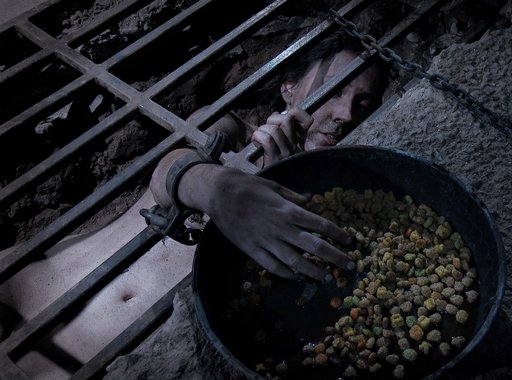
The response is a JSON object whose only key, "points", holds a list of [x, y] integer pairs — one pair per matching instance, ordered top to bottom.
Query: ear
{"points": [[287, 89]]}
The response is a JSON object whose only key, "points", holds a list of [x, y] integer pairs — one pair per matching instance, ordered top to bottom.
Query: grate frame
{"points": [[143, 103]]}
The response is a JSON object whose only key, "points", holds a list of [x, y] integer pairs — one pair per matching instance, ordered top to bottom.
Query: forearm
{"points": [[197, 182], [202, 185], [197, 187], [259, 216]]}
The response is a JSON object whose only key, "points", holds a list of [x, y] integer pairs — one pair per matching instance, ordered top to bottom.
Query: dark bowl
{"points": [[218, 264]]}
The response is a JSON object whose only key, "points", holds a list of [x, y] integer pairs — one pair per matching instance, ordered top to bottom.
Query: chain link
{"points": [[438, 81]]}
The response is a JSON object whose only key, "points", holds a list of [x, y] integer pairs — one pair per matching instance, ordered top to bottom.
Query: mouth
{"points": [[328, 139]]}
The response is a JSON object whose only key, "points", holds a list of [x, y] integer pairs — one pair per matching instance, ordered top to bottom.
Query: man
{"points": [[275, 229]]}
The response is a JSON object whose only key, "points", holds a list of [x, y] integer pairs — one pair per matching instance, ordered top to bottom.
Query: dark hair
{"points": [[326, 49], [323, 50]]}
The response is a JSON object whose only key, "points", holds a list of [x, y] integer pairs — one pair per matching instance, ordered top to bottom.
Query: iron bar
{"points": [[27, 15], [111, 15], [156, 33], [216, 49], [76, 60], [361, 62], [24, 64], [84, 65], [112, 83], [117, 87], [391, 101], [221, 106], [39, 107], [162, 116], [181, 131], [57, 160], [10, 370]]}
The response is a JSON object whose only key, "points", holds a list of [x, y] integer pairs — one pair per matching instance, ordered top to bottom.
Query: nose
{"points": [[341, 110]]}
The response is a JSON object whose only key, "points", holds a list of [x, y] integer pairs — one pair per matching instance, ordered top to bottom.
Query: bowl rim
{"points": [[480, 331]]}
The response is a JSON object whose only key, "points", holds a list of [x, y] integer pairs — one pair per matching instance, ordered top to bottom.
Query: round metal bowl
{"points": [[218, 264]]}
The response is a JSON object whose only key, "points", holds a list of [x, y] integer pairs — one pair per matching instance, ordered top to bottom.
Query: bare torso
{"points": [[116, 306]]}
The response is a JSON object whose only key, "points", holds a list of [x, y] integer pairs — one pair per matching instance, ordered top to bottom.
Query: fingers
{"points": [[295, 123], [283, 134], [274, 141], [292, 196], [307, 222], [316, 223], [299, 238], [321, 248], [286, 259], [294, 260], [287, 262], [271, 264]]}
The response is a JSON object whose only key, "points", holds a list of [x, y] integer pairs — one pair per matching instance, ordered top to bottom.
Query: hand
{"points": [[281, 136], [266, 221]]}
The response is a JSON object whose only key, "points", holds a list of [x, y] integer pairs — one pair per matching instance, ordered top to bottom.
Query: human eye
{"points": [[364, 106]]}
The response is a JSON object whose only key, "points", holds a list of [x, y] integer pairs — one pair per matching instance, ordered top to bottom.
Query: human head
{"points": [[339, 115]]}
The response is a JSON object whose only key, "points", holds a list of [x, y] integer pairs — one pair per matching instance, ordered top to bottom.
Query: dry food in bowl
{"points": [[269, 330]]}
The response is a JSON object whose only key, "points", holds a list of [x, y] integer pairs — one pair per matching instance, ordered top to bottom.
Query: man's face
{"points": [[346, 109]]}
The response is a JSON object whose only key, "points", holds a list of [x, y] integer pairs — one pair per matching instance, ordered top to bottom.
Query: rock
{"points": [[506, 10], [127, 142]]}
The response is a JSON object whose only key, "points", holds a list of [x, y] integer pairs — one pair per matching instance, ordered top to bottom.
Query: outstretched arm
{"points": [[260, 217]]}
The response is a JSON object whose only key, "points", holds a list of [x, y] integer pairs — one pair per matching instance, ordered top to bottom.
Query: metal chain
{"points": [[438, 81]]}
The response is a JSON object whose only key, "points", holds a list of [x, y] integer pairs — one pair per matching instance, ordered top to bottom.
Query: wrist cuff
{"points": [[170, 221]]}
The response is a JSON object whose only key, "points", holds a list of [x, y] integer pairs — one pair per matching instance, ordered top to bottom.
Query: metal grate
{"points": [[47, 68]]}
